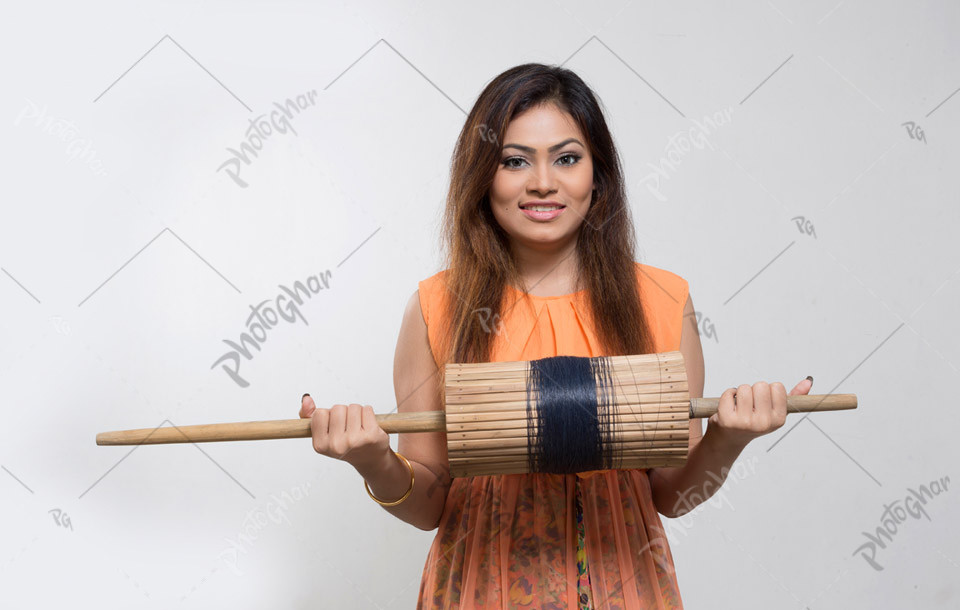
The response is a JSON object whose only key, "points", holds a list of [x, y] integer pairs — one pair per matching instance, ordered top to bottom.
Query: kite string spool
{"points": [[642, 407], [569, 414]]}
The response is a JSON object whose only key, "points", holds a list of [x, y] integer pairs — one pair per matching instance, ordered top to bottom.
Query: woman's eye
{"points": [[571, 156], [508, 162]]}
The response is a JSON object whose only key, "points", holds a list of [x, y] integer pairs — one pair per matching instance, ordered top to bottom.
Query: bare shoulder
{"points": [[413, 314], [692, 352], [414, 367], [417, 386]]}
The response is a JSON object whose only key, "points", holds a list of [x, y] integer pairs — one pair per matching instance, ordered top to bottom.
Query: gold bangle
{"points": [[404, 496]]}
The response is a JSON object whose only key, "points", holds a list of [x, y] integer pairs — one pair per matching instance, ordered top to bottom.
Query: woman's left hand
{"points": [[747, 412]]}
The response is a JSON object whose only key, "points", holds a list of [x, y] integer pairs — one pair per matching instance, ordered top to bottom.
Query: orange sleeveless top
{"points": [[510, 541]]}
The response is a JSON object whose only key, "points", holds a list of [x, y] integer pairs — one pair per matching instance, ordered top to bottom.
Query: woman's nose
{"points": [[542, 180]]}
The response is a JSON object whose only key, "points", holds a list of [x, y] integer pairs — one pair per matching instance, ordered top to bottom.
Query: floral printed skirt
{"points": [[550, 542], [583, 575]]}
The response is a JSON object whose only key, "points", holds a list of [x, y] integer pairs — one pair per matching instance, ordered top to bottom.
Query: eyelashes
{"points": [[574, 157]]}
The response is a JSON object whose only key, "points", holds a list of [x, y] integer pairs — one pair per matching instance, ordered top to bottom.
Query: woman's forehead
{"points": [[542, 126]]}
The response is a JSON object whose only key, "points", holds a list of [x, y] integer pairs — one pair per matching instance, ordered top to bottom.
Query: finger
{"points": [[803, 387], [779, 396], [744, 402], [762, 402], [762, 405], [307, 406], [726, 409], [354, 413], [338, 418], [368, 419], [319, 425]]}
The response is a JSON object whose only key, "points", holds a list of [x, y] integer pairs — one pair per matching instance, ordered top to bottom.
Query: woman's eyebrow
{"points": [[551, 149]]}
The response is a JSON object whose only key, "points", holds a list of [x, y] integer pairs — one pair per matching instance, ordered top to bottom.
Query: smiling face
{"points": [[544, 159]]}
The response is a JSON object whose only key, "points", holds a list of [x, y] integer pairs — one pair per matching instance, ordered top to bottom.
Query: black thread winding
{"points": [[574, 422]]}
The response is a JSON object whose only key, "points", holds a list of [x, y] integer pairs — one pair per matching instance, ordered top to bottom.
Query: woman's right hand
{"points": [[347, 432]]}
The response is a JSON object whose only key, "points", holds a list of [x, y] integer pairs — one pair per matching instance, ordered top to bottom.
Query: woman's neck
{"points": [[548, 271]]}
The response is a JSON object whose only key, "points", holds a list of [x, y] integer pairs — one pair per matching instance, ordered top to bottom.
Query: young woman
{"points": [[540, 263]]}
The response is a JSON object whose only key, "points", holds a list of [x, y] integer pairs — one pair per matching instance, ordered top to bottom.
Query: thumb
{"points": [[803, 387], [307, 406]]}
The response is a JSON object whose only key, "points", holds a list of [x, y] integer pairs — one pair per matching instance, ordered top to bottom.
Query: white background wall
{"points": [[127, 259]]}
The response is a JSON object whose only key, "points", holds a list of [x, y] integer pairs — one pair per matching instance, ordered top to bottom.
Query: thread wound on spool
{"points": [[574, 426]]}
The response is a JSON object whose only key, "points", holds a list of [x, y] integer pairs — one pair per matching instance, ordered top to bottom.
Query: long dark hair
{"points": [[478, 256]]}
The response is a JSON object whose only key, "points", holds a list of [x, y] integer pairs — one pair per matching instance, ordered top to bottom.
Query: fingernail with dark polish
{"points": [[810, 377], [304, 396]]}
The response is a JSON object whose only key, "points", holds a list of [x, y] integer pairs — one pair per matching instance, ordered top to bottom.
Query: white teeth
{"points": [[543, 208]]}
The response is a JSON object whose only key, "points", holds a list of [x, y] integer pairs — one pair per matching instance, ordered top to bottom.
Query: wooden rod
{"points": [[801, 403], [419, 421]]}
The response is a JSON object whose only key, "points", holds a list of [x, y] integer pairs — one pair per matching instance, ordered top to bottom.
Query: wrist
{"points": [[723, 440], [371, 466]]}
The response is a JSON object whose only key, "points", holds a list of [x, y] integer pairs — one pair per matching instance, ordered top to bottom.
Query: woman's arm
{"points": [[417, 388], [350, 432], [668, 484], [677, 491]]}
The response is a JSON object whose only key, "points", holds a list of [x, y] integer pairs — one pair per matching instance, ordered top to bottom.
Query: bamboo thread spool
{"points": [[489, 420]]}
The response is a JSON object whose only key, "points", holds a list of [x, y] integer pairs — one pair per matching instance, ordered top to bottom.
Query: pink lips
{"points": [[542, 215]]}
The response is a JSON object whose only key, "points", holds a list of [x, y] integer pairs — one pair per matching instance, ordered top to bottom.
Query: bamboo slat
{"points": [[488, 421]]}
